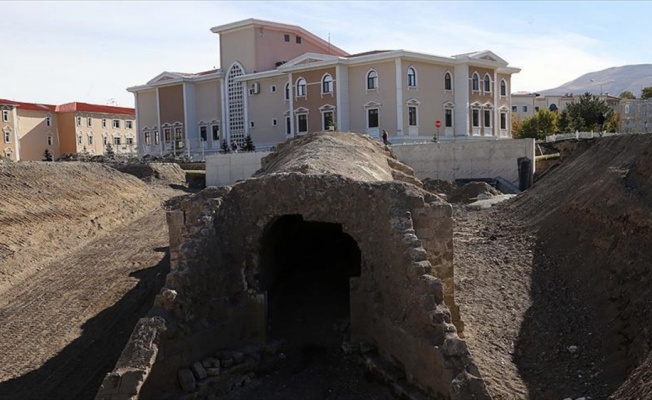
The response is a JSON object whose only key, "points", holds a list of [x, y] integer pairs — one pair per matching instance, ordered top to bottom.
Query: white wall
{"points": [[466, 159], [446, 161], [226, 169]]}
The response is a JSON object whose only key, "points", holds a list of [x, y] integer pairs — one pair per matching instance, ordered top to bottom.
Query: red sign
{"points": [[438, 124]]}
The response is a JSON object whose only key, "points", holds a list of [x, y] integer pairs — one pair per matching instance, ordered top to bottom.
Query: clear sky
{"points": [[56, 52]]}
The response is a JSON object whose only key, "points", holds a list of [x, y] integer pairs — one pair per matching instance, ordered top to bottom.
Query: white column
{"points": [[399, 97], [342, 98], [291, 103], [461, 110], [496, 124], [16, 126], [161, 137]]}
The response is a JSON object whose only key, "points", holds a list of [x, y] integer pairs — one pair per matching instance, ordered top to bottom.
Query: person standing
{"points": [[600, 124], [385, 137]]}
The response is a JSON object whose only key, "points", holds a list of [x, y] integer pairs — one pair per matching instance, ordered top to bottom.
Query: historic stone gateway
{"points": [[332, 231]]}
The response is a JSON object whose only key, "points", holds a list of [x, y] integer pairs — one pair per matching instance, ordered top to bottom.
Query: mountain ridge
{"points": [[612, 81]]}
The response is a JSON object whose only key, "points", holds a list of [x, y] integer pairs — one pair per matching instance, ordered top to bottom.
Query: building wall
{"points": [[238, 46], [271, 47], [385, 96], [314, 98], [171, 104], [264, 108], [209, 111], [147, 115], [67, 132], [33, 134], [8, 140]]}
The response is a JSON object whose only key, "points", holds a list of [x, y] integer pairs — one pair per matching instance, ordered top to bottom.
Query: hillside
{"points": [[614, 81]]}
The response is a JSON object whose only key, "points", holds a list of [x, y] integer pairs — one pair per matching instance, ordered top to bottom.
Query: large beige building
{"points": [[278, 81], [526, 104], [29, 129]]}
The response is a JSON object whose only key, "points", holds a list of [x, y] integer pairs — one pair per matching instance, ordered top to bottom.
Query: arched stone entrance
{"points": [[305, 272]]}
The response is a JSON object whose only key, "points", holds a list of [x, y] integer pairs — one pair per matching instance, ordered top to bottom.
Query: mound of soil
{"points": [[161, 173], [460, 193]]}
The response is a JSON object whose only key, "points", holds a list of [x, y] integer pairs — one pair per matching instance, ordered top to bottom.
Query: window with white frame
{"points": [[286, 37], [411, 77], [372, 80], [448, 81], [475, 82], [327, 84], [487, 84], [301, 87], [503, 88], [272, 89], [287, 91], [514, 108], [524, 108], [5, 115], [412, 116], [372, 118], [448, 118], [475, 118], [487, 118], [328, 120], [48, 121], [79, 121], [89, 121], [503, 121], [103, 122], [274, 122], [302, 123], [116, 124], [129, 124], [288, 126], [215, 130], [178, 133], [203, 133], [167, 135], [7, 136], [157, 137], [148, 138], [79, 139], [90, 139], [105, 139], [117, 140], [130, 140], [50, 141], [8, 153]]}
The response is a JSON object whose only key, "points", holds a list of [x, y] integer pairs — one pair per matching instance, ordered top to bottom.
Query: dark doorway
{"points": [[306, 270]]}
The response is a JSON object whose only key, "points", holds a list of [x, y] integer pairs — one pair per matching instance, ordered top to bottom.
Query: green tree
{"points": [[646, 92], [627, 95], [583, 115], [564, 122], [613, 124], [517, 125], [538, 126], [249, 144], [225, 147], [109, 150], [47, 156]]}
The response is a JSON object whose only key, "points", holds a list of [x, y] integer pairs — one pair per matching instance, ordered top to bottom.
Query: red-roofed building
{"points": [[28, 129]]}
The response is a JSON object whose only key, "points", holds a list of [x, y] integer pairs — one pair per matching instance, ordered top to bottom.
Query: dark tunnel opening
{"points": [[306, 271]]}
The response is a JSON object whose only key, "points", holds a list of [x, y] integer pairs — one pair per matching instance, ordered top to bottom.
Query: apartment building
{"points": [[278, 81], [526, 104], [28, 129]]}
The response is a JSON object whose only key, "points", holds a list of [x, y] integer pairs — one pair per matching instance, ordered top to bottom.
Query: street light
{"points": [[593, 80]]}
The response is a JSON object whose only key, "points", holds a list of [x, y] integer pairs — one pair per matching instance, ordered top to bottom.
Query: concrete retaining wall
{"points": [[467, 159], [446, 161]]}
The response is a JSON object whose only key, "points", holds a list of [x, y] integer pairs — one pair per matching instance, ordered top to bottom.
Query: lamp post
{"points": [[593, 80]]}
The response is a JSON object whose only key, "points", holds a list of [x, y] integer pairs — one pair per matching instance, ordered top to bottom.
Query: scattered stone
{"points": [[198, 370], [187, 380]]}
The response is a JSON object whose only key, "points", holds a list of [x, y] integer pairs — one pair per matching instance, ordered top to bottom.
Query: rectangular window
{"points": [[286, 37], [298, 39], [272, 88], [524, 108], [514, 109], [536, 109], [5, 115], [412, 116], [372, 118], [475, 118], [487, 118], [448, 120], [48, 121], [78, 121], [89, 121], [328, 121], [503, 121], [103, 122], [274, 122], [116, 123], [302, 123], [129, 124], [251, 124], [288, 127], [216, 132], [167, 133], [178, 133], [203, 133], [7, 137], [157, 137], [79, 139], [148, 139], [49, 140], [90, 140], [105, 140], [117, 140], [130, 141]]}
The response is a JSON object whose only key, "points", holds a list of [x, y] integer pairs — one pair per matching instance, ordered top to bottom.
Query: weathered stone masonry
{"points": [[216, 299]]}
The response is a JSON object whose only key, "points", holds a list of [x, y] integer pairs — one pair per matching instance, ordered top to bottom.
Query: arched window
{"points": [[411, 77], [372, 80], [448, 81], [475, 82], [487, 83], [327, 84], [301, 87], [503, 88], [287, 91], [552, 107]]}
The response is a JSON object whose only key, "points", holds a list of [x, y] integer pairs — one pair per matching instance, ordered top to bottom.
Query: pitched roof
{"points": [[28, 106], [77, 106]]}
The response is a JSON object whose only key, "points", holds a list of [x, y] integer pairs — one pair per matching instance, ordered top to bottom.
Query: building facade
{"points": [[278, 81], [526, 104], [29, 129]]}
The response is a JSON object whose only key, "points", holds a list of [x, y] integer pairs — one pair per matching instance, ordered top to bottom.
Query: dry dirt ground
{"points": [[83, 251], [554, 285]]}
